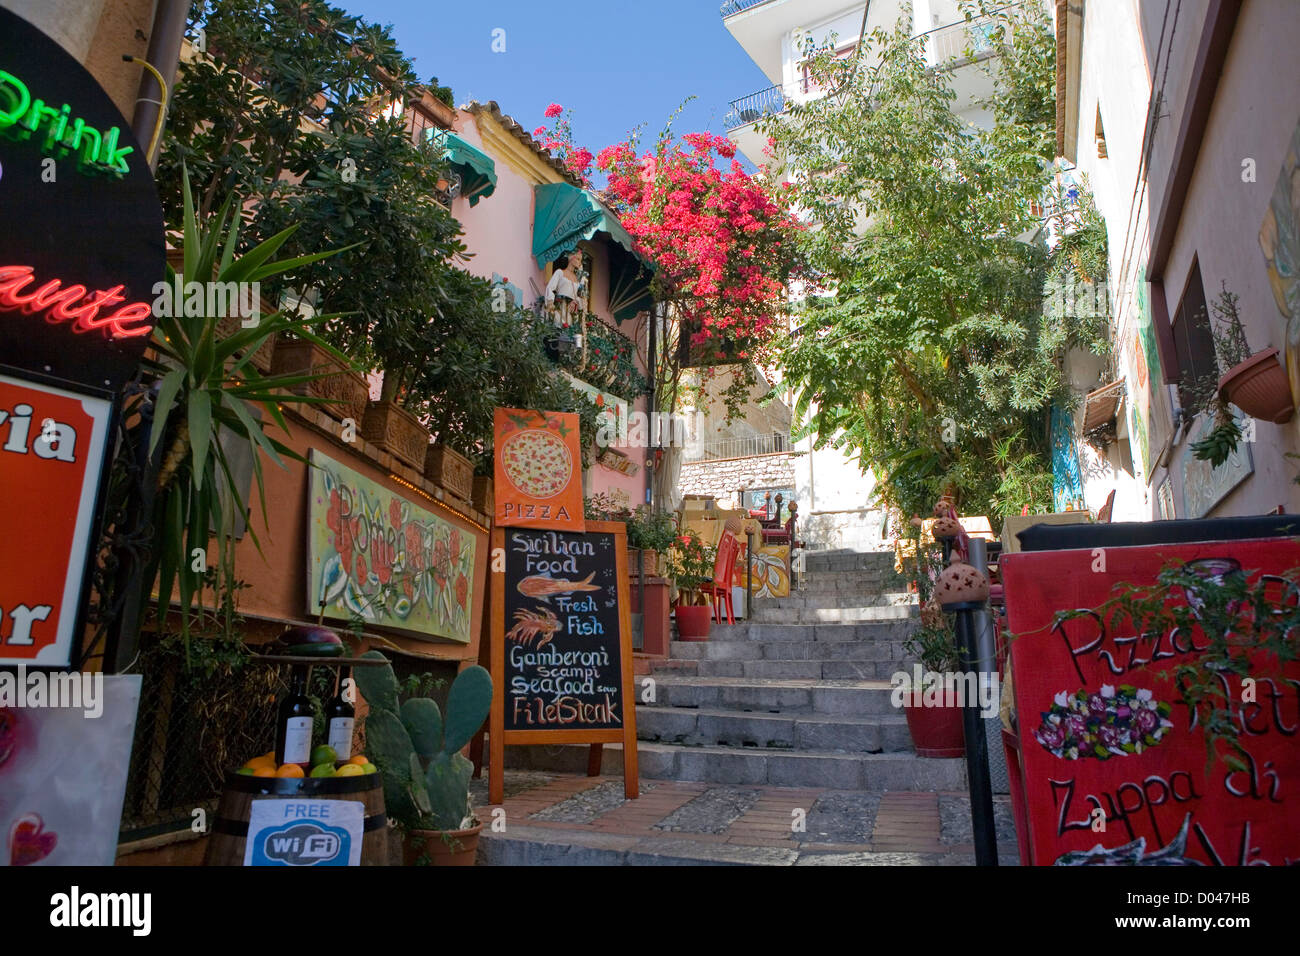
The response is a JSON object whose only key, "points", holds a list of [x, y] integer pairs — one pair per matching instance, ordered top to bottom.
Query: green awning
{"points": [[478, 173], [563, 216]]}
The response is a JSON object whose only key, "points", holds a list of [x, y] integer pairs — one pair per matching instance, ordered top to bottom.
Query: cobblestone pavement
{"points": [[569, 819]]}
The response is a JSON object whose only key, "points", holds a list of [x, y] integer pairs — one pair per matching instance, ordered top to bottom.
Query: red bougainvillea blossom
{"points": [[559, 140], [720, 239]]}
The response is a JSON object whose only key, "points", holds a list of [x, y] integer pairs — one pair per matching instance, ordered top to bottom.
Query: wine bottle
{"points": [[341, 716], [294, 722]]}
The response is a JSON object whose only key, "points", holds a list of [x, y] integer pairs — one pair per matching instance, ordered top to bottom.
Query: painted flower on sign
{"points": [[1111, 722]]}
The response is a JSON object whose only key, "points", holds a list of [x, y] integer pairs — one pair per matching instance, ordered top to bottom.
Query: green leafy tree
{"points": [[922, 344]]}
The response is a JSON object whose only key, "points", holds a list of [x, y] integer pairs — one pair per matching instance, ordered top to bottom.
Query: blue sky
{"points": [[617, 64]]}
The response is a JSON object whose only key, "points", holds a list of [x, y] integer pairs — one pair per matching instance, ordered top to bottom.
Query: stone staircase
{"points": [[799, 695]]}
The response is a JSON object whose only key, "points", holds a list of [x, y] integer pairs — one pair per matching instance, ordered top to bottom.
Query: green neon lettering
{"points": [[64, 133]]}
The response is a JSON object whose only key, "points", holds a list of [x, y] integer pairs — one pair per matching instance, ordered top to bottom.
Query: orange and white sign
{"points": [[52, 447], [538, 482]]}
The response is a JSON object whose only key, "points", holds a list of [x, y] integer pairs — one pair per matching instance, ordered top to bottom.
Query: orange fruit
{"points": [[359, 760], [259, 763], [290, 770], [264, 772]]}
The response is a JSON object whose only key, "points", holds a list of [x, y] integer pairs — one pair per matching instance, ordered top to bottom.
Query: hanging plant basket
{"points": [[1259, 387]]}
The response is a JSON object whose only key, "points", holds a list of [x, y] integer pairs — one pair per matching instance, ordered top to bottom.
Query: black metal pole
{"points": [[977, 751]]}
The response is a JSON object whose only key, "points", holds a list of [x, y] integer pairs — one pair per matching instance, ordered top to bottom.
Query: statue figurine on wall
{"points": [[563, 291]]}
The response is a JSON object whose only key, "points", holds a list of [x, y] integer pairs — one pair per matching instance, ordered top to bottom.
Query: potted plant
{"points": [[1254, 382], [450, 470], [651, 533], [690, 566], [934, 722], [426, 777]]}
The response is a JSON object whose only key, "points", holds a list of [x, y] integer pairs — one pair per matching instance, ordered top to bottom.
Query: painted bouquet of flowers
{"points": [[1112, 722]]}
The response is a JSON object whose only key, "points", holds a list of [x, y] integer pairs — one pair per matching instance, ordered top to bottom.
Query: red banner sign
{"points": [[52, 447], [1114, 765]]}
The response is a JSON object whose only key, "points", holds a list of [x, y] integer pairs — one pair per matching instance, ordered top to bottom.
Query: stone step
{"points": [[833, 561], [838, 599], [764, 614], [896, 629], [811, 650], [882, 669], [857, 698], [712, 727], [751, 765], [522, 845]]}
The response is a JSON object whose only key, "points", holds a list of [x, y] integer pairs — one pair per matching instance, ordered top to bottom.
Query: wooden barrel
{"points": [[229, 832]]}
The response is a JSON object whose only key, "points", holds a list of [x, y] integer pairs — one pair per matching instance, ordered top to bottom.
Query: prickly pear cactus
{"points": [[426, 778]]}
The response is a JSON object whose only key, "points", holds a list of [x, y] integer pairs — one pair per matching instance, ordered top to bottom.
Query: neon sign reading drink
{"points": [[96, 151], [73, 304]]}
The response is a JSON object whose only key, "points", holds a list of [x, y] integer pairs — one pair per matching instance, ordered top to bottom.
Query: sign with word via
{"points": [[52, 448], [561, 643], [1112, 763], [304, 833]]}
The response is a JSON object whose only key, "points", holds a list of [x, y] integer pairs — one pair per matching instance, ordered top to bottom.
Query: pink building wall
{"points": [[499, 236]]}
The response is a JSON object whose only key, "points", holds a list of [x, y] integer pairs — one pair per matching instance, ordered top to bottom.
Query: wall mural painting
{"points": [[1279, 239], [1067, 477], [373, 554]]}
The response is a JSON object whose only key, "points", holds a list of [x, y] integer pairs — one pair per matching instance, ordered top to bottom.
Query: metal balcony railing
{"points": [[731, 7], [950, 42], [749, 109], [740, 447]]}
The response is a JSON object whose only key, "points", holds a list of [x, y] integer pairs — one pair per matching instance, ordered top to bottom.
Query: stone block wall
{"points": [[724, 477]]}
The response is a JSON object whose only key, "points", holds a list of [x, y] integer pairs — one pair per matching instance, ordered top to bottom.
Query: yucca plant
{"points": [[209, 397]]}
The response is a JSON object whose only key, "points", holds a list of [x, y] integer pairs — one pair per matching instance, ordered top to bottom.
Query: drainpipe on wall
{"points": [[164, 53]]}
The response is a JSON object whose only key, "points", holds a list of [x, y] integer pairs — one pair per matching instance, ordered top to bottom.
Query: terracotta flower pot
{"points": [[1259, 387], [347, 389], [393, 429], [449, 470], [483, 497], [693, 622], [936, 731], [441, 847]]}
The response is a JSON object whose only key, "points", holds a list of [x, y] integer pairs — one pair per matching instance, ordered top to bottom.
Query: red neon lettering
{"points": [[73, 304]]}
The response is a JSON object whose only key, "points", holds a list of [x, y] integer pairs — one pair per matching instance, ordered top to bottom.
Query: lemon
{"points": [[324, 754], [323, 770], [349, 770]]}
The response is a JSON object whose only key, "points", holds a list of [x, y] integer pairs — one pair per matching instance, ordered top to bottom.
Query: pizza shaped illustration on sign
{"points": [[52, 450], [538, 481]]}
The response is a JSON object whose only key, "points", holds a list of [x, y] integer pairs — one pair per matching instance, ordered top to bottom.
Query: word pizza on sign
{"points": [[1113, 763]]}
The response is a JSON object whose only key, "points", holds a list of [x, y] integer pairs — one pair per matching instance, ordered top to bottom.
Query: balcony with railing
{"points": [[732, 7], [974, 39], [752, 108], [770, 444]]}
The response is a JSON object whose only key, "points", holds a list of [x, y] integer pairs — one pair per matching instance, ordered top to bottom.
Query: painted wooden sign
{"points": [[373, 554], [562, 643], [1114, 765]]}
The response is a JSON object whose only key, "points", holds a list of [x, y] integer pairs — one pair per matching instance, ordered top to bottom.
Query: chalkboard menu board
{"points": [[561, 641], [562, 654]]}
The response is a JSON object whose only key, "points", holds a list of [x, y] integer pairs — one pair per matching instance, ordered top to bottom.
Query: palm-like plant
{"points": [[208, 398]]}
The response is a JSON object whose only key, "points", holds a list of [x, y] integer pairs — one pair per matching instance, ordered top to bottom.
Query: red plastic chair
{"points": [[724, 569]]}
